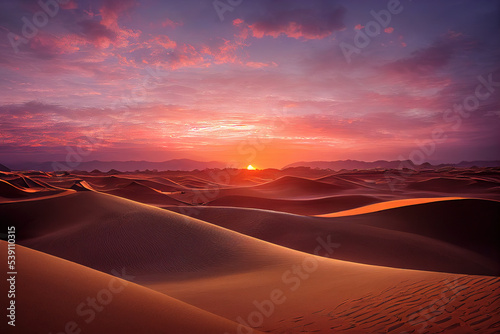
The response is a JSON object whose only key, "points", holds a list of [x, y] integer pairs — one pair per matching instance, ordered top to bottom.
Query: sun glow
{"points": [[250, 167]]}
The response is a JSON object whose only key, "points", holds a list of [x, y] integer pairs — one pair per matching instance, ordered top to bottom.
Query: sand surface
{"points": [[294, 251]]}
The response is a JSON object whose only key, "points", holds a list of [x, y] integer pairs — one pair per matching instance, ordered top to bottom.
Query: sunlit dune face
{"points": [[250, 167], [388, 205]]}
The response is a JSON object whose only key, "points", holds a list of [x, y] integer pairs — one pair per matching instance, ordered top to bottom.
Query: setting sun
{"points": [[250, 167]]}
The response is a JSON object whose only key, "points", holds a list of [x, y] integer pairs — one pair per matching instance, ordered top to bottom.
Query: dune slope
{"points": [[301, 207], [105, 232], [426, 248], [246, 280], [53, 295]]}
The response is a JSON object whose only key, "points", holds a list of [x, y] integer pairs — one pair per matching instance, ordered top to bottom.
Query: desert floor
{"points": [[237, 251]]}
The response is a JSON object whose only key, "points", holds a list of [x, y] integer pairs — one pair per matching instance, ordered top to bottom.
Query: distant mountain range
{"points": [[397, 164], [189, 165], [123, 166]]}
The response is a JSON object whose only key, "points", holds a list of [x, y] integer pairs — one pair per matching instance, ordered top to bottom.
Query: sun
{"points": [[250, 167]]}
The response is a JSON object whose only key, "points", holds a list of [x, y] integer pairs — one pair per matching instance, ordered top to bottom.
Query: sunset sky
{"points": [[266, 82]]}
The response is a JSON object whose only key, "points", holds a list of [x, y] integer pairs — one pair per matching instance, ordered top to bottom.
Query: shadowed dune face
{"points": [[114, 182], [452, 185], [292, 186], [10, 190], [11, 193], [144, 194], [314, 206], [449, 221], [106, 232], [418, 234], [248, 254], [63, 290]]}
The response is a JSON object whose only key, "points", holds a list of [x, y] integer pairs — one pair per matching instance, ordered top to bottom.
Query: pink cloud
{"points": [[111, 11], [238, 22], [291, 29], [389, 30], [99, 31], [99, 34], [164, 41], [49, 45], [185, 55]]}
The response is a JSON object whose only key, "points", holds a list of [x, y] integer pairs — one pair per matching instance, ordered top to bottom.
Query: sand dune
{"points": [[36, 173], [166, 181], [191, 181], [25, 182], [59, 182], [107, 182], [343, 182], [453, 185], [81, 186], [164, 186], [291, 186], [201, 187], [283, 188], [9, 190], [12, 193], [141, 193], [388, 205], [302, 207], [437, 219], [107, 232], [375, 238], [474, 252], [228, 265], [60, 290], [333, 296]]}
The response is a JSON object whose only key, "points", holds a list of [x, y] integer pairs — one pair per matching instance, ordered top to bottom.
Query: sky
{"points": [[261, 82]]}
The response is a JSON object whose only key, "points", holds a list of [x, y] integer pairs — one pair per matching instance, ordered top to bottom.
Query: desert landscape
{"points": [[250, 166], [297, 250]]}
